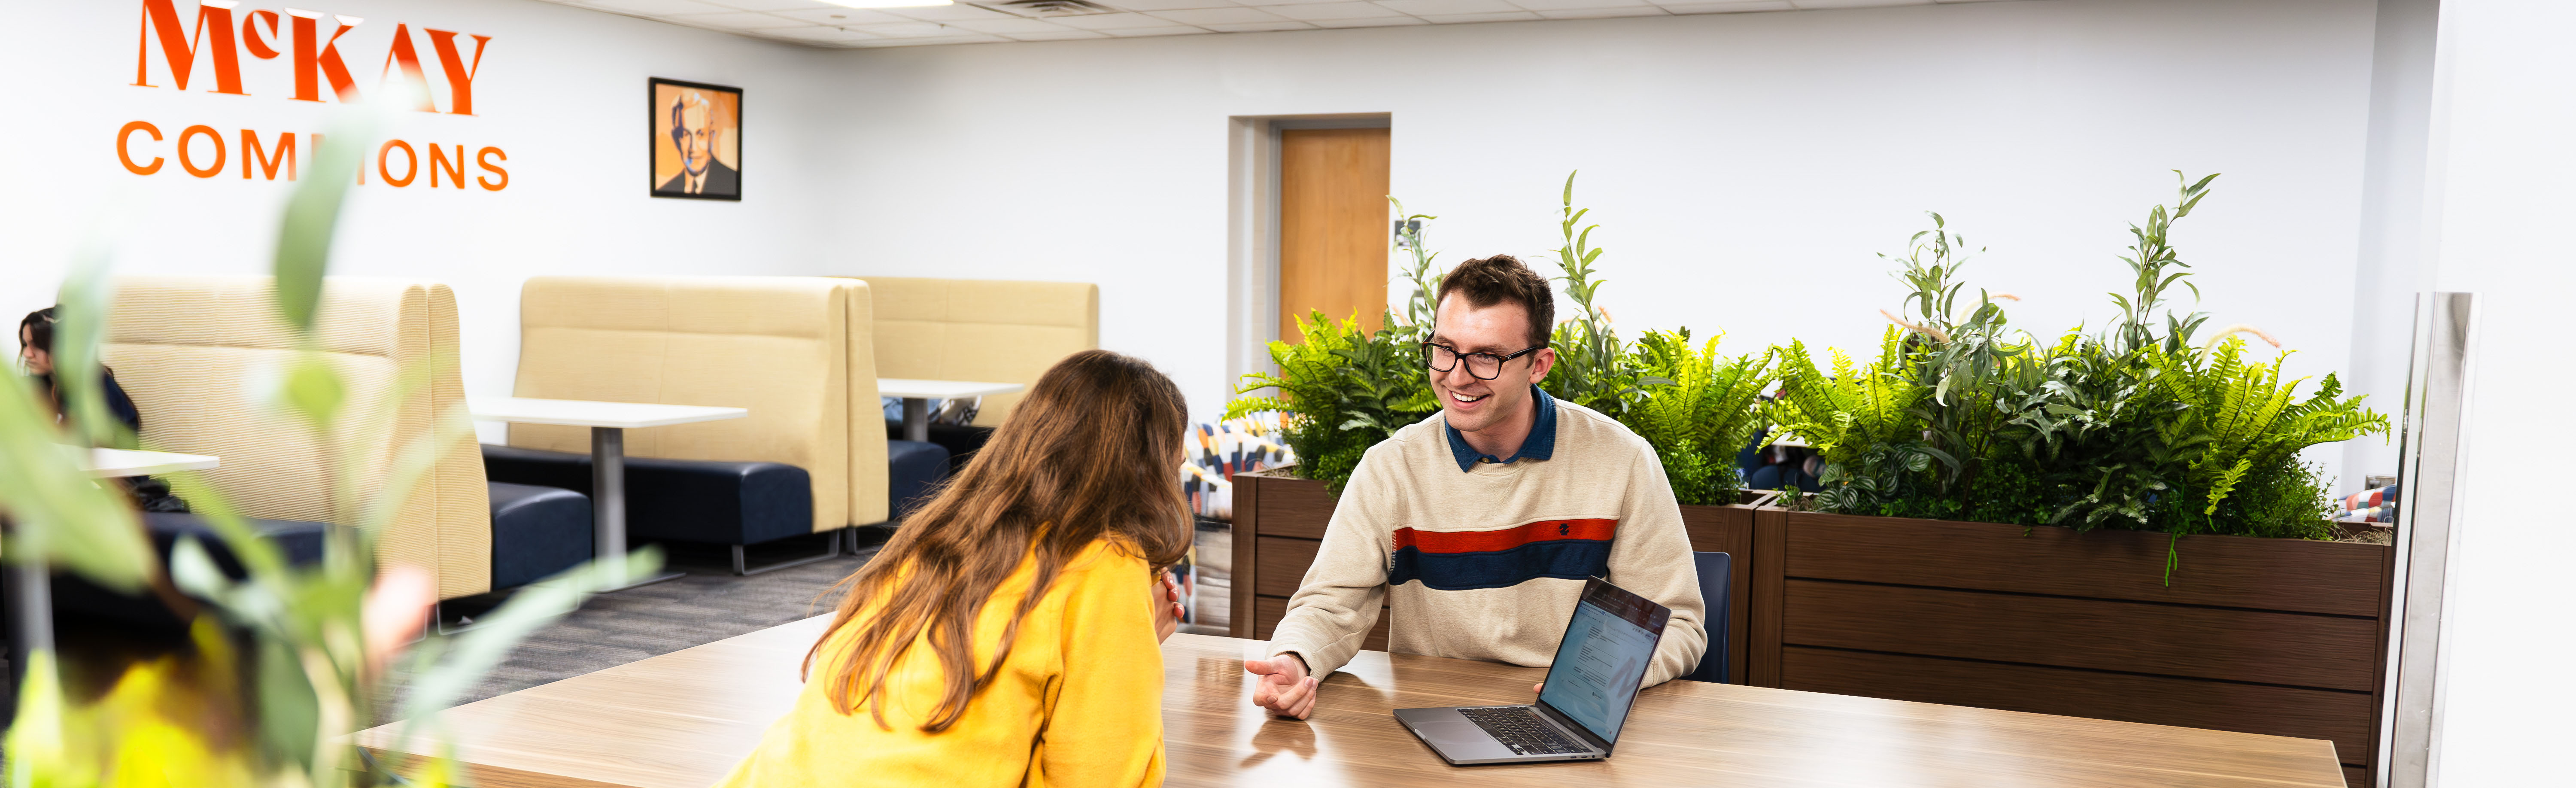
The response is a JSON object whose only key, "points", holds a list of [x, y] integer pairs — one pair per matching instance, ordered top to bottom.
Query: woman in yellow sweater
{"points": [[1008, 635]]}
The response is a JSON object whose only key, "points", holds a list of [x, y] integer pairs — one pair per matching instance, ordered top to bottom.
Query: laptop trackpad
{"points": [[1462, 740]]}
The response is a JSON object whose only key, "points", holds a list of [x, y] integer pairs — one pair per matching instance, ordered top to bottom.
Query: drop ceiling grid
{"points": [[815, 23]]}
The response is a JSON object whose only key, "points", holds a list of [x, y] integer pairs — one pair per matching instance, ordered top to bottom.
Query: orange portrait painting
{"points": [[697, 140]]}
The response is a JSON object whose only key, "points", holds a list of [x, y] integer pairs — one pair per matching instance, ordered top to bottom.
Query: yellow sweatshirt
{"points": [[1079, 701]]}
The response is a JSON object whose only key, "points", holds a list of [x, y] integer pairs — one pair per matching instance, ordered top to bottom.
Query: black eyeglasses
{"points": [[1483, 366]]}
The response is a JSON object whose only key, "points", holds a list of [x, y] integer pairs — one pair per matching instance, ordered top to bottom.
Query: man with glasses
{"points": [[1476, 527]]}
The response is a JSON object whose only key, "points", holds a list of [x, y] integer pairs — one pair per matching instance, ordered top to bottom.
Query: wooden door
{"points": [[1332, 226]]}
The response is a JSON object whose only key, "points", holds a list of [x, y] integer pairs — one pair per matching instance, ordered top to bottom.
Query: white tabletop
{"points": [[941, 389], [584, 413], [116, 463]]}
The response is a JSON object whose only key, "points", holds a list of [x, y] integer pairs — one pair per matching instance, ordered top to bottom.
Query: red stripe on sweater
{"points": [[1504, 538]]}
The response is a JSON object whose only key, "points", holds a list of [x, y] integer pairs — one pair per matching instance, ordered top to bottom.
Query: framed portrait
{"points": [[697, 140]]}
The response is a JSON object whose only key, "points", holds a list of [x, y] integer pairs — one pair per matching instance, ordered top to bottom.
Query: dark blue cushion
{"points": [[960, 440], [913, 471], [679, 500], [537, 532], [75, 598]]}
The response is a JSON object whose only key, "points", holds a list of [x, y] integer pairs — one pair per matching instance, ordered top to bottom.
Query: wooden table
{"points": [[917, 394], [608, 423], [683, 719]]}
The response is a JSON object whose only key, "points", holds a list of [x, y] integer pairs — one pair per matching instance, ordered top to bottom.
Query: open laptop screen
{"points": [[1603, 657]]}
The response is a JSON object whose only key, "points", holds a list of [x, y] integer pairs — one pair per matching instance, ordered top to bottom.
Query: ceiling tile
{"points": [[1267, 3], [1854, 3], [773, 5], [1165, 5], [1565, 5], [657, 7], [1428, 7], [1729, 7], [1330, 11], [943, 13], [1604, 13], [840, 16], [1217, 16], [1498, 16], [737, 20], [1110, 21], [1383, 21], [1006, 26], [1258, 27], [909, 30], [1135, 32], [1058, 34], [825, 35], [936, 40]]}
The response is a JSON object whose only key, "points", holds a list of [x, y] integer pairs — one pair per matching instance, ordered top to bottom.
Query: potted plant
{"points": [[2109, 525]]}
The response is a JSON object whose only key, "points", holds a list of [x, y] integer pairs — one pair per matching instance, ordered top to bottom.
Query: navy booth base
{"points": [[728, 503], [537, 532], [1716, 586]]}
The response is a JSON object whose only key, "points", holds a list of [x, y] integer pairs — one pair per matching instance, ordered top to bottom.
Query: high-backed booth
{"points": [[982, 330], [781, 347], [188, 349]]}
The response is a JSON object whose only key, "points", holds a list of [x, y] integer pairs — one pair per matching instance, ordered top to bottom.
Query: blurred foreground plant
{"points": [[279, 671]]}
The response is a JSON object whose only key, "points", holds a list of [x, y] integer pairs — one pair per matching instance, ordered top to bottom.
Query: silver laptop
{"points": [[1589, 688]]}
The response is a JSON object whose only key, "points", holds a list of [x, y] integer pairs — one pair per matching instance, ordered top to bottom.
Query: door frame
{"points": [[1252, 230]]}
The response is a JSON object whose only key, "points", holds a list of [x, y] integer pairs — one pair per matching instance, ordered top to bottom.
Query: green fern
{"points": [[1339, 392], [1701, 415]]}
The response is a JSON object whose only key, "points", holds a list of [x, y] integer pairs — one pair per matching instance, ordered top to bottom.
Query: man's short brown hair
{"points": [[1493, 280]]}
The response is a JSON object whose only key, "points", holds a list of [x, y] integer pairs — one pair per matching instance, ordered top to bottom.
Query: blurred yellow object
{"points": [[174, 720]]}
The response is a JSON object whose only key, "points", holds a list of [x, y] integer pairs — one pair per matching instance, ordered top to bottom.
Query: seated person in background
{"points": [[36, 356], [1777, 467], [1480, 523], [1008, 634]]}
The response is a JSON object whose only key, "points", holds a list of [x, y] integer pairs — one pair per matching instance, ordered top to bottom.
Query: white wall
{"points": [[560, 90], [1745, 168], [2498, 185]]}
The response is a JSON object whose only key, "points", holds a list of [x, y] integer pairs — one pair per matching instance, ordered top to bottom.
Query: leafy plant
{"points": [[1420, 307], [1592, 365], [1340, 392], [1698, 420], [1862, 421], [2133, 428], [280, 671]]}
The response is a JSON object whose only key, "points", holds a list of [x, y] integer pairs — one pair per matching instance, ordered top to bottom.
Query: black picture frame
{"points": [[662, 144]]}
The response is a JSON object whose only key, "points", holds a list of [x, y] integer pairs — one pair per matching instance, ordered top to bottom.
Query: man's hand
{"points": [[1167, 606], [1284, 688]]}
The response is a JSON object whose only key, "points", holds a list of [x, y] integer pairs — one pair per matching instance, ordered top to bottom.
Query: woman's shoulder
{"points": [[1106, 553]]}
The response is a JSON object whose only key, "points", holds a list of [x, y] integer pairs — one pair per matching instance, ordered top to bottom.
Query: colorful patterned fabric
{"points": [[1219, 451], [2370, 498]]}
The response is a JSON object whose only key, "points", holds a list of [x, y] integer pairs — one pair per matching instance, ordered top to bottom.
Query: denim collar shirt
{"points": [[1540, 444]]}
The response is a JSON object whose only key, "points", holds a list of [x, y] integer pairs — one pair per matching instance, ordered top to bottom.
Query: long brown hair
{"points": [[1090, 454]]}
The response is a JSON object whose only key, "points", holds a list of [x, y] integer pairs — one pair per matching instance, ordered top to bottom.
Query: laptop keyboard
{"points": [[1520, 729]]}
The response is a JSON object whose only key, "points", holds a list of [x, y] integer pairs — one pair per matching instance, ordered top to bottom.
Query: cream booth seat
{"points": [[982, 330], [779, 346], [191, 350]]}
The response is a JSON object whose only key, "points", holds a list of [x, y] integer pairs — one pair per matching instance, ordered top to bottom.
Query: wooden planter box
{"points": [[1279, 524], [2272, 636]]}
